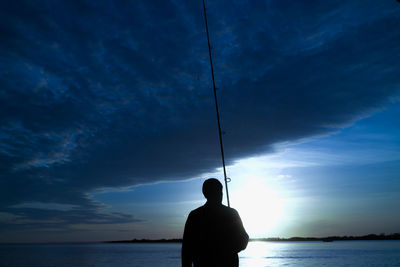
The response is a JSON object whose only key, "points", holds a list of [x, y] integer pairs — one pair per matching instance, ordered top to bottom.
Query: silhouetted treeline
{"points": [[395, 236]]}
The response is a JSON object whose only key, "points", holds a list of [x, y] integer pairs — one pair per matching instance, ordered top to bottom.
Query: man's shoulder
{"points": [[222, 209], [230, 210], [197, 211]]}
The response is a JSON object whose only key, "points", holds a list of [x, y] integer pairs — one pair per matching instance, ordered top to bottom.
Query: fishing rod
{"points": [[226, 179]]}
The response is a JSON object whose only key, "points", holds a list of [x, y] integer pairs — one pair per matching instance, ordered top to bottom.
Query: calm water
{"points": [[350, 253]]}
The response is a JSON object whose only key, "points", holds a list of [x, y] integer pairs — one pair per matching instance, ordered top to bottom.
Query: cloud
{"points": [[116, 94], [44, 217]]}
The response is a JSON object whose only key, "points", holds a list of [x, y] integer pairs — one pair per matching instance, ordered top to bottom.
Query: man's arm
{"points": [[242, 238], [187, 244]]}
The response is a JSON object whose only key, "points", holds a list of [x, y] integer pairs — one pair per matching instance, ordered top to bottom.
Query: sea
{"points": [[257, 254]]}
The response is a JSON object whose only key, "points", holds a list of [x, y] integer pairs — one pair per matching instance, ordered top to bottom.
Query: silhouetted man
{"points": [[214, 233]]}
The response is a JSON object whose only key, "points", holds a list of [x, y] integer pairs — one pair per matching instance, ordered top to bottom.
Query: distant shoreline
{"points": [[395, 236]]}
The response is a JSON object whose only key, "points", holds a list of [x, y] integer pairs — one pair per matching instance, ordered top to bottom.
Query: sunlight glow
{"points": [[259, 207]]}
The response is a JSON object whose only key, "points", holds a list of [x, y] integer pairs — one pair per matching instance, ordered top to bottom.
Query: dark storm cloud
{"points": [[107, 94]]}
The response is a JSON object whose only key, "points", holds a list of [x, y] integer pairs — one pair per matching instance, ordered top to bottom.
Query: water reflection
{"points": [[258, 254], [307, 254]]}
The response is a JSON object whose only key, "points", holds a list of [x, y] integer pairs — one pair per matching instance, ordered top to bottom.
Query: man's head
{"points": [[212, 190]]}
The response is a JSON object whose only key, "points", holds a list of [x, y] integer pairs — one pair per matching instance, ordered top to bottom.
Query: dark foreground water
{"points": [[345, 253]]}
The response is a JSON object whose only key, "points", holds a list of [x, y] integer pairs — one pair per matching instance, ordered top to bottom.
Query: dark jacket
{"points": [[213, 236]]}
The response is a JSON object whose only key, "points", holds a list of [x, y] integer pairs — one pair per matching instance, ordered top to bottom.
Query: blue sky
{"points": [[107, 124]]}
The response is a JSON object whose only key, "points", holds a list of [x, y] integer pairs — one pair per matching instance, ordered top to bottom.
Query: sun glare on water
{"points": [[259, 207]]}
